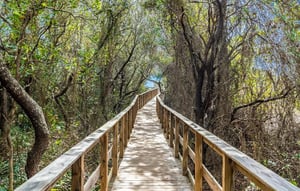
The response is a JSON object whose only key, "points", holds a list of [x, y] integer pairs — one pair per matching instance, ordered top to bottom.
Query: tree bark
{"points": [[206, 58], [36, 116], [4, 127], [5, 138]]}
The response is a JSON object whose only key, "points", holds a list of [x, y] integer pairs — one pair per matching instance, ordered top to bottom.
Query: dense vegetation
{"points": [[80, 61], [66, 67], [235, 71]]}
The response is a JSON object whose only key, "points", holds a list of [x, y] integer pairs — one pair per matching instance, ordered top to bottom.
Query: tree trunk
{"points": [[199, 105], [36, 116], [4, 127], [5, 139], [11, 164]]}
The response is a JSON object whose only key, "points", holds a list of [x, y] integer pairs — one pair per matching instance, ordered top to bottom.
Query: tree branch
{"points": [[126, 61], [65, 89], [260, 101]]}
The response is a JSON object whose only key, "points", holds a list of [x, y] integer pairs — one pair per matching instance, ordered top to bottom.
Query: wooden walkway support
{"points": [[178, 130], [111, 149], [148, 163]]}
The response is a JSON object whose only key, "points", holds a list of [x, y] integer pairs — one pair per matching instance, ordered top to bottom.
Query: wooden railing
{"points": [[120, 127], [177, 129]]}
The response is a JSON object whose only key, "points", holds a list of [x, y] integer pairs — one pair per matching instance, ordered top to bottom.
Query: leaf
{"points": [[17, 13], [58, 142], [293, 181]]}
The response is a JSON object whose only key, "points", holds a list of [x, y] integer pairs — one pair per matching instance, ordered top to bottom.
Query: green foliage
{"points": [[153, 4], [46, 42], [20, 138], [3, 175], [293, 181], [64, 183]]}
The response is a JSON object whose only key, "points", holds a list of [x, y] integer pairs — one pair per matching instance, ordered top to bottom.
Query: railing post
{"points": [[143, 100], [157, 109], [160, 113], [134, 114], [133, 117], [130, 120], [162, 121], [165, 122], [168, 124], [128, 126], [125, 127], [171, 130], [121, 138], [176, 147], [185, 150], [115, 159], [104, 162], [198, 162], [227, 174], [78, 175]]}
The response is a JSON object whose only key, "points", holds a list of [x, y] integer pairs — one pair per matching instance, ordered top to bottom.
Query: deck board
{"points": [[148, 162]]}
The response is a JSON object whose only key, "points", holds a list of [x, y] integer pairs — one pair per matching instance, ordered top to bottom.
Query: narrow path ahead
{"points": [[148, 163]]}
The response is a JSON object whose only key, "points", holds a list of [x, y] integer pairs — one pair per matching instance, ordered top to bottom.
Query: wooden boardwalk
{"points": [[148, 163]]}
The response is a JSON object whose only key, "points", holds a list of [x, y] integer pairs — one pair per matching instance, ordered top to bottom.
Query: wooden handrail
{"points": [[121, 126], [232, 159]]}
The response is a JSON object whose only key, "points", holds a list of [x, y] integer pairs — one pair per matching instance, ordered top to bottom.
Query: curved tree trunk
{"points": [[35, 114]]}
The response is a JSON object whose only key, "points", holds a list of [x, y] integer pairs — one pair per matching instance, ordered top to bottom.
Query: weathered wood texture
{"points": [[74, 158], [233, 159], [148, 162]]}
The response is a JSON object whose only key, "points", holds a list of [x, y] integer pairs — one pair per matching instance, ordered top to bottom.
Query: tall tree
{"points": [[209, 55]]}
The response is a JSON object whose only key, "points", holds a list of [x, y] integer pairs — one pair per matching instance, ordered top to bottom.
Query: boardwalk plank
{"points": [[148, 162]]}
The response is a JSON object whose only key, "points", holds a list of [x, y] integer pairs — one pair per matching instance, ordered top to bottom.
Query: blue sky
{"points": [[150, 84]]}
